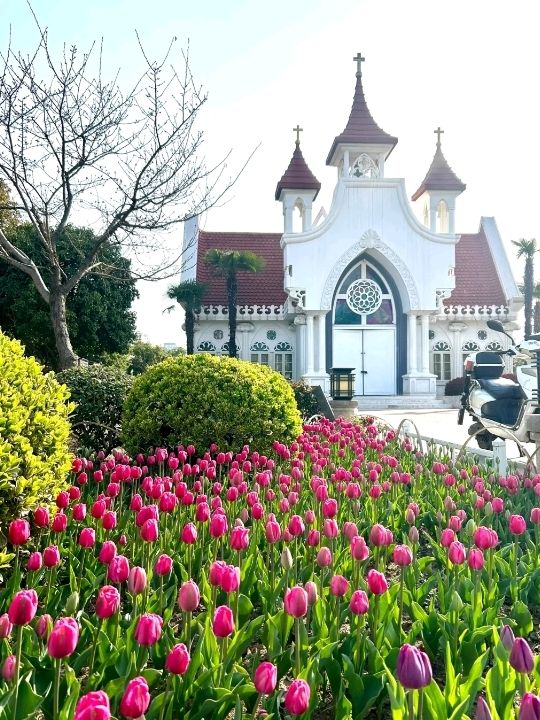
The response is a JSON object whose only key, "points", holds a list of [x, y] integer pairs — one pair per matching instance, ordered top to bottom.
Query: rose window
{"points": [[364, 297]]}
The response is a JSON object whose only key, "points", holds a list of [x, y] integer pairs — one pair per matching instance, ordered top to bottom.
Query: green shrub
{"points": [[454, 387], [98, 393], [202, 399], [305, 399], [34, 432]]}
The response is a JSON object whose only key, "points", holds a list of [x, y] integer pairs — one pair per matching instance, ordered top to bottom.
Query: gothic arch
{"points": [[370, 240]]}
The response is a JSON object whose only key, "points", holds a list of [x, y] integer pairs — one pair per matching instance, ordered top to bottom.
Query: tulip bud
{"points": [[517, 524], [18, 532], [414, 535], [107, 552], [402, 555], [51, 556], [324, 557], [286, 559], [35, 561], [163, 565], [118, 571], [137, 580], [377, 583], [338, 585], [312, 594], [189, 596], [107, 602], [295, 602], [72, 603], [23, 607], [223, 623], [5, 626], [44, 626], [148, 630], [507, 637], [63, 638], [521, 657], [178, 660], [9, 668], [413, 668], [265, 678], [297, 697], [136, 699], [93, 706], [530, 707], [482, 710]]}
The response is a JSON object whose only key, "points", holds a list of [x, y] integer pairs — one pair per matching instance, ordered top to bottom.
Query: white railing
{"points": [[464, 310], [261, 312]]}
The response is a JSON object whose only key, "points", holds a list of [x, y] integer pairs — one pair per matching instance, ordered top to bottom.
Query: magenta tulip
{"points": [[18, 532], [137, 580], [377, 583], [189, 596], [295, 601], [107, 602], [359, 604], [23, 607], [223, 623], [148, 630], [63, 638], [178, 660], [413, 668], [265, 678], [297, 697], [136, 699], [93, 706]]}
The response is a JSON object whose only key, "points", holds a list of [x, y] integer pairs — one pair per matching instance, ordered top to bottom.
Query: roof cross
{"points": [[359, 60], [298, 130], [438, 132]]}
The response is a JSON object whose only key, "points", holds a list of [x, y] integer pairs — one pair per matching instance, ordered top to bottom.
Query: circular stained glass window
{"points": [[364, 297], [218, 334], [271, 335]]}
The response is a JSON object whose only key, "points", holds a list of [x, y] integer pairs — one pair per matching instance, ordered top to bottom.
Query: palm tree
{"points": [[527, 249], [227, 264], [189, 294]]}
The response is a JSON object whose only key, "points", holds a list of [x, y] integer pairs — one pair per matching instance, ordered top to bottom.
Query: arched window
{"points": [[364, 167], [298, 216], [442, 217], [363, 298], [207, 347], [260, 353], [283, 359], [441, 361]]}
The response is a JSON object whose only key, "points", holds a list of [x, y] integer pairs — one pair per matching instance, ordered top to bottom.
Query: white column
{"points": [[306, 218], [321, 323], [411, 343], [424, 343], [309, 345]]}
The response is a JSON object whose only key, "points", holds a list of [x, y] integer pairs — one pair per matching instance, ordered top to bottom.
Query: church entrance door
{"points": [[372, 354]]}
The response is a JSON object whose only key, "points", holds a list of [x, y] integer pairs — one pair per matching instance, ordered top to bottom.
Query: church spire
{"points": [[361, 128], [440, 188]]}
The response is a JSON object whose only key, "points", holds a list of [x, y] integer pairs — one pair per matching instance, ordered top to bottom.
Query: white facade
{"points": [[369, 287]]}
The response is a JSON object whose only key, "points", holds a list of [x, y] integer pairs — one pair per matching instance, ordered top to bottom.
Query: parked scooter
{"points": [[499, 406]]}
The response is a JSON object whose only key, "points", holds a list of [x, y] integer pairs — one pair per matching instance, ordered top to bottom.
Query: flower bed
{"points": [[345, 576]]}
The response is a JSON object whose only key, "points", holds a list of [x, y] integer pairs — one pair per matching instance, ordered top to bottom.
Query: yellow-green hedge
{"points": [[203, 399], [34, 432]]}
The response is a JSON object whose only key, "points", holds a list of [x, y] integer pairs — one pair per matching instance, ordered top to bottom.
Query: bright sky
{"points": [[470, 67]]}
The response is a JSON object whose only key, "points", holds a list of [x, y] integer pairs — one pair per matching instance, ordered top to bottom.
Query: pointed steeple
{"points": [[361, 128], [298, 176], [440, 176], [298, 188], [440, 188]]}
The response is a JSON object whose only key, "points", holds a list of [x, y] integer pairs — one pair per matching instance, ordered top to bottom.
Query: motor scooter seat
{"points": [[502, 388]]}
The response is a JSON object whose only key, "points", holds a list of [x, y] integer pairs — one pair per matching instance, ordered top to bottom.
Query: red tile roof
{"points": [[361, 127], [298, 176], [440, 176], [477, 280], [263, 288]]}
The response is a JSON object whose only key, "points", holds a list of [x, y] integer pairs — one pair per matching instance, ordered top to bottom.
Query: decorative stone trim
{"points": [[452, 310], [262, 312]]}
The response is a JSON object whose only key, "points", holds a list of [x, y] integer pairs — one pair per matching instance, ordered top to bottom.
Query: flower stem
{"points": [[400, 616], [94, 646], [297, 646], [17, 668], [410, 699], [56, 700], [164, 705]]}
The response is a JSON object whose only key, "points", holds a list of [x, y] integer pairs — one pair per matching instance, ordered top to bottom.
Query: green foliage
{"points": [[98, 309], [143, 355], [454, 387], [98, 393], [203, 399], [305, 399], [34, 432]]}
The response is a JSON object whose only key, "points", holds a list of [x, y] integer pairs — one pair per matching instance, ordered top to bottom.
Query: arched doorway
{"points": [[366, 314]]}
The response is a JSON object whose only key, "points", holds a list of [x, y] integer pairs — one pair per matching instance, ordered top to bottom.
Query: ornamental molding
{"points": [[370, 240], [481, 310], [259, 312]]}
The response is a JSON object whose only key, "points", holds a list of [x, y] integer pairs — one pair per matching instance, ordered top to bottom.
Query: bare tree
{"points": [[72, 143]]}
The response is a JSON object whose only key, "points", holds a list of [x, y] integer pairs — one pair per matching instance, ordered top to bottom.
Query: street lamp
{"points": [[342, 383]]}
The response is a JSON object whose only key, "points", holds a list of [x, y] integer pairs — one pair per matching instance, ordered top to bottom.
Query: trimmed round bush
{"points": [[454, 387], [98, 393], [203, 399], [34, 432]]}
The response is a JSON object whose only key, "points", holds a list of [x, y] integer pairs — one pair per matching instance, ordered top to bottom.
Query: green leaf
{"points": [[522, 617]]}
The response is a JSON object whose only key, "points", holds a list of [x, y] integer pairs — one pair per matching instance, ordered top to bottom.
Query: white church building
{"points": [[367, 286]]}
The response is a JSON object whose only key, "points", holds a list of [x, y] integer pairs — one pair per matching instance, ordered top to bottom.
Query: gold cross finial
{"points": [[359, 60], [298, 130], [438, 132]]}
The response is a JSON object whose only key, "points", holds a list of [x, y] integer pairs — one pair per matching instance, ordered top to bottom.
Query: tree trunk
{"points": [[232, 287], [528, 293], [57, 309], [537, 316], [190, 331]]}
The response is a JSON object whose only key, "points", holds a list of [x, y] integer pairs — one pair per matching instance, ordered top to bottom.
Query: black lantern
{"points": [[342, 383]]}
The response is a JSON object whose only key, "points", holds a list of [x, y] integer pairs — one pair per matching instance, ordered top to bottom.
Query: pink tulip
{"points": [[98, 509], [78, 512], [535, 516], [41, 517], [108, 521], [517, 524], [218, 525], [296, 526], [330, 529], [150, 530], [18, 532], [189, 534], [378, 535], [448, 536], [87, 537], [239, 538], [485, 538], [359, 548], [107, 552], [456, 553], [402, 555], [51, 556], [324, 557], [475, 559], [35, 561], [163, 565], [118, 571], [215, 572], [230, 578], [137, 580], [376, 582], [338, 585], [312, 594], [189, 596], [295, 601], [107, 602], [359, 604], [23, 607], [223, 623], [5, 626], [44, 626], [148, 630], [507, 637], [63, 638], [521, 657], [178, 660], [9, 668], [265, 678], [297, 697], [136, 699], [93, 706], [530, 707], [482, 710]]}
